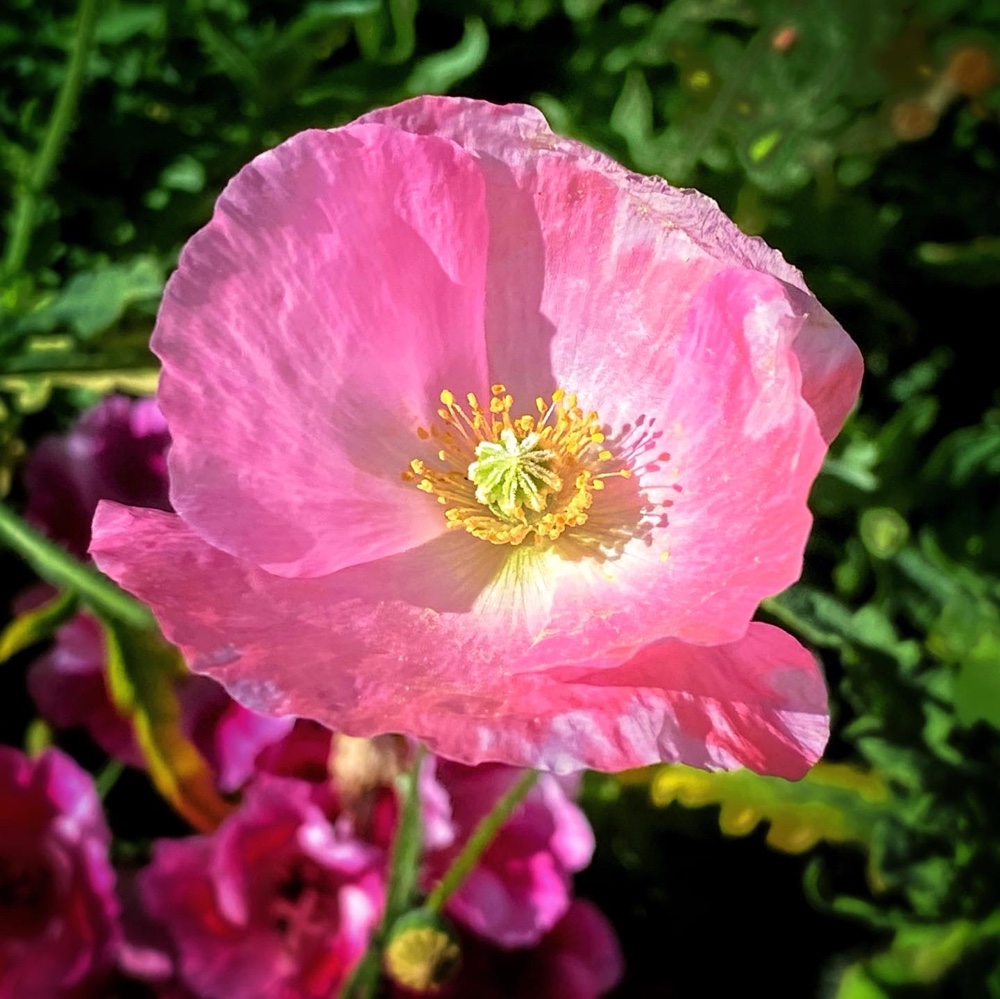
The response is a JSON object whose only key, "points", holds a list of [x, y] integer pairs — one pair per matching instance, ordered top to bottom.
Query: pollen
{"points": [[509, 479]]}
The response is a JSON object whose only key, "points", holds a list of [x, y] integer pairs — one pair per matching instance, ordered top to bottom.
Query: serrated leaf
{"points": [[36, 625], [142, 670], [834, 802]]}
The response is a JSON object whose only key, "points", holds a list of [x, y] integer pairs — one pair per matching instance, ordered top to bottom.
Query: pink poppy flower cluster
{"points": [[482, 439], [281, 899]]}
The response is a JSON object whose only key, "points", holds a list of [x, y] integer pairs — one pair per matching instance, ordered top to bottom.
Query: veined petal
{"points": [[516, 147], [305, 336], [320, 649]]}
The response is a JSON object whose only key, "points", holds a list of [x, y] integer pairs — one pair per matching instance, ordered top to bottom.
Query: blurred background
{"points": [[860, 137]]}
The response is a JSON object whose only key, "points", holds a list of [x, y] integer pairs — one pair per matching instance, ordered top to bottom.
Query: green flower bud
{"points": [[422, 954]]}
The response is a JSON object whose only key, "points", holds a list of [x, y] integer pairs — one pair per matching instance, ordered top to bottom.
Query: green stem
{"points": [[28, 194], [58, 567], [108, 776], [480, 839], [404, 865]]}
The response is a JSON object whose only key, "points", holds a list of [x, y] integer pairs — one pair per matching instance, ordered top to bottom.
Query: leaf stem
{"points": [[28, 193], [58, 567], [107, 777], [477, 843]]}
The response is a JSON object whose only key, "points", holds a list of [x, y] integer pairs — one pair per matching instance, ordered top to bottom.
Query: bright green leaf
{"points": [[36, 625]]}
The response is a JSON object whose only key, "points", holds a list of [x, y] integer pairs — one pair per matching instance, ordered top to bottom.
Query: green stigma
{"points": [[513, 474]]}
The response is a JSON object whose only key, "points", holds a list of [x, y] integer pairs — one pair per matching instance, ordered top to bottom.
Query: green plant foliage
{"points": [[36, 625], [142, 673], [833, 803]]}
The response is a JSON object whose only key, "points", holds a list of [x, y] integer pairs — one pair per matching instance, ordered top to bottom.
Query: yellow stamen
{"points": [[506, 479]]}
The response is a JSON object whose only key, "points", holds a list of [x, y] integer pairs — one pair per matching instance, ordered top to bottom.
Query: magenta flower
{"points": [[480, 438], [117, 451], [69, 688], [522, 885], [275, 904], [58, 913]]}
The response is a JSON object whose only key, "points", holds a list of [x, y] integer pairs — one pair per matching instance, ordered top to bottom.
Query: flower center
{"points": [[504, 478], [303, 908]]}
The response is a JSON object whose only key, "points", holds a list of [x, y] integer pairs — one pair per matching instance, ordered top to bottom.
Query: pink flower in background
{"points": [[481, 438], [117, 451], [68, 686], [522, 886], [284, 894], [275, 904], [58, 912]]}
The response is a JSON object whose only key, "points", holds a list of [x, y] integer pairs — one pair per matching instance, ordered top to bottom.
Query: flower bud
{"points": [[423, 954]]}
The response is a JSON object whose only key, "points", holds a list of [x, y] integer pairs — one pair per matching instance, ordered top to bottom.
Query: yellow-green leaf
{"points": [[31, 390], [36, 625], [142, 673], [833, 802]]}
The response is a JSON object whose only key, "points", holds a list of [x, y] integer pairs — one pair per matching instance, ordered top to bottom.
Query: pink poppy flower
{"points": [[481, 438], [275, 904], [58, 912]]}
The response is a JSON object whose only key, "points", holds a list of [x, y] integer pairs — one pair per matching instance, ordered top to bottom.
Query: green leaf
{"points": [[125, 21], [389, 37], [438, 73], [93, 300], [31, 392], [58, 567], [822, 619], [36, 625], [142, 671], [977, 685], [834, 802], [918, 955], [856, 983]]}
